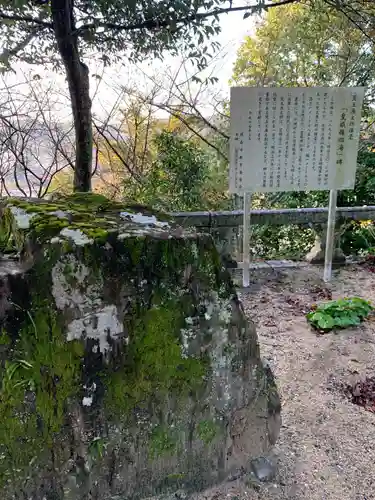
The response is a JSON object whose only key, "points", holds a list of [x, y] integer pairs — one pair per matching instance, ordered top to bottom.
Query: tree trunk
{"points": [[78, 81]]}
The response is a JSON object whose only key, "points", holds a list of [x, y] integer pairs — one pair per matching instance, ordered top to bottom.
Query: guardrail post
{"points": [[317, 253]]}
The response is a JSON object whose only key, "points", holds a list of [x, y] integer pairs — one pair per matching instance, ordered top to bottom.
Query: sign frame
{"points": [[339, 125]]}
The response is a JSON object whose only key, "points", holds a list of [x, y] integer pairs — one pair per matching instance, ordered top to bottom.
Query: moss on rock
{"points": [[88, 214], [156, 363], [42, 372], [207, 430]]}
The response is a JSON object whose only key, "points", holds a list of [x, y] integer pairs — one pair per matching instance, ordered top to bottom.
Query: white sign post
{"points": [[294, 139], [246, 240], [330, 241]]}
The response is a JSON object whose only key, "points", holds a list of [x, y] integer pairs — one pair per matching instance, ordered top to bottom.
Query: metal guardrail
{"points": [[275, 217], [226, 227]]}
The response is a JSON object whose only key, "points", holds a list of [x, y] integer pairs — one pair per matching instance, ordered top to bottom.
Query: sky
{"points": [[234, 30], [107, 91]]}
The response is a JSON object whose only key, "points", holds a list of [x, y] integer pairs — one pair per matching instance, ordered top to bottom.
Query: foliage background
{"points": [[163, 148]]}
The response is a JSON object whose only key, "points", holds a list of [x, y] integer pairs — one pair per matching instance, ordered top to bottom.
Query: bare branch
{"points": [[350, 14], [6, 55], [194, 131], [35, 147], [112, 148]]}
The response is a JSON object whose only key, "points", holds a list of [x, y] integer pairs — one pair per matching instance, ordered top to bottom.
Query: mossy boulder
{"points": [[127, 366]]}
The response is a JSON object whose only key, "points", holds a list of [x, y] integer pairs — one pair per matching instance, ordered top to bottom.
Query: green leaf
{"points": [[288, 45], [343, 313], [356, 320], [344, 321], [326, 322]]}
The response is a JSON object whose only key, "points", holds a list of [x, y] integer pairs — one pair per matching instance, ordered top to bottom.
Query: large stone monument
{"points": [[127, 367]]}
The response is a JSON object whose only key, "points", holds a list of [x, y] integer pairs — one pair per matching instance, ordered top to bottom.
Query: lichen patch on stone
{"points": [[60, 214], [21, 217], [144, 219], [143, 231], [76, 235], [70, 286], [102, 325], [187, 335]]}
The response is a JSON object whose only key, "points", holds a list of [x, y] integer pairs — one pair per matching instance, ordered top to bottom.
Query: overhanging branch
{"points": [[349, 13], [26, 19], [175, 23], [7, 54], [185, 122]]}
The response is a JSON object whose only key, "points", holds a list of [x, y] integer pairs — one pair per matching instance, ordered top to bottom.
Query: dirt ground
{"points": [[326, 449]]}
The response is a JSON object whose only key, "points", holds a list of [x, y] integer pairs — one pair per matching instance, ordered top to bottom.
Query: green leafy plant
{"points": [[182, 176], [341, 313], [10, 382], [207, 431], [97, 447]]}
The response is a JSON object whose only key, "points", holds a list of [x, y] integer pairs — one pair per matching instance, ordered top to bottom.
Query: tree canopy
{"points": [[32, 28], [306, 44]]}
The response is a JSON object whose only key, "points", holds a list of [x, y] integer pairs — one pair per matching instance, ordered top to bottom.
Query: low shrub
{"points": [[341, 313]]}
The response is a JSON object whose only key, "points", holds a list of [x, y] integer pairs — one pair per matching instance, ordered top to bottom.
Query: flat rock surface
{"points": [[326, 448]]}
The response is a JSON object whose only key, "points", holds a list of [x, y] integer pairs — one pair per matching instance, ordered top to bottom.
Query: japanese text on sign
{"points": [[294, 139]]}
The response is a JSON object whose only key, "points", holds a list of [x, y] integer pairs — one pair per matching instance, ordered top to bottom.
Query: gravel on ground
{"points": [[326, 449]]}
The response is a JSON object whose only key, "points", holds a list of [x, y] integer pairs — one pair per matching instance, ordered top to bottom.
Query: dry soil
{"points": [[326, 449]]}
